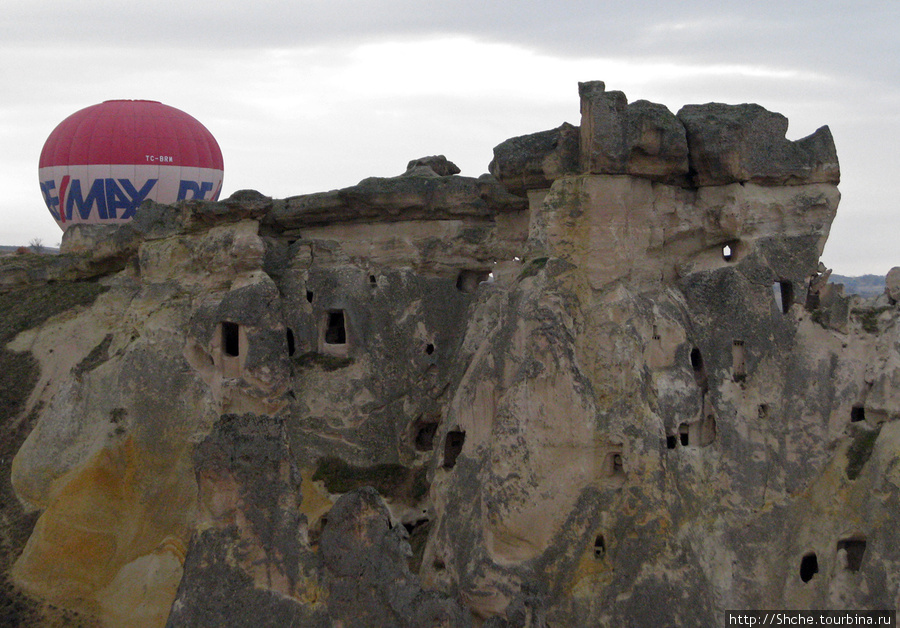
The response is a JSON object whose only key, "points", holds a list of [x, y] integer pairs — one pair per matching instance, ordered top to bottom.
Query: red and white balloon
{"points": [[102, 162]]}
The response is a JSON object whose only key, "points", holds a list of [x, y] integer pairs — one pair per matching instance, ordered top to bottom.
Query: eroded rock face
{"points": [[642, 138], [741, 143], [702, 145], [534, 161], [608, 385]]}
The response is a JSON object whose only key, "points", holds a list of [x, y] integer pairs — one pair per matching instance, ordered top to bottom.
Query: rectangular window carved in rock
{"points": [[784, 295], [335, 330], [231, 339], [229, 345], [738, 364], [684, 434], [615, 462], [855, 550]]}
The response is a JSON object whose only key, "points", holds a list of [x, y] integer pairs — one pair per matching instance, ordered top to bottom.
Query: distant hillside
{"points": [[8, 250], [864, 286]]}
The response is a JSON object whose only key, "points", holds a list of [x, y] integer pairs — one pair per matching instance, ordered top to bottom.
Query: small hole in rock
{"points": [[728, 252], [309, 296], [429, 348], [857, 413], [671, 441], [617, 465], [599, 546], [809, 566]]}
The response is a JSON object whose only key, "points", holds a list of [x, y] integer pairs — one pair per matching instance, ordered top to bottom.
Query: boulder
{"points": [[643, 139], [740, 143], [530, 162], [439, 164], [892, 284]]}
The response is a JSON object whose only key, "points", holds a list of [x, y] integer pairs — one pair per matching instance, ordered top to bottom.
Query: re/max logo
{"points": [[112, 198]]}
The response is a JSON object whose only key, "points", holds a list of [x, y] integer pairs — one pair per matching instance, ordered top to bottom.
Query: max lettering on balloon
{"points": [[111, 198]]}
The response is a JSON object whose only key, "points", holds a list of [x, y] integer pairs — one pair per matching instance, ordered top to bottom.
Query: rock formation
{"points": [[607, 384]]}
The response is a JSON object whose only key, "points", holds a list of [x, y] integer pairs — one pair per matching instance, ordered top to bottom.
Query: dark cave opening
{"points": [[335, 331], [231, 339], [453, 447], [809, 567]]}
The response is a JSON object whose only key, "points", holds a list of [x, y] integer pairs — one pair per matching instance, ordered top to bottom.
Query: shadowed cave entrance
{"points": [[335, 330], [231, 339]]}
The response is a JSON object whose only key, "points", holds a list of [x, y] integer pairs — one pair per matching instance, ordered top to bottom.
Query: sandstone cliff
{"points": [[606, 384]]}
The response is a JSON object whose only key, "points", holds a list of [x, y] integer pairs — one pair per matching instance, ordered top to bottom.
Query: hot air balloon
{"points": [[102, 162]]}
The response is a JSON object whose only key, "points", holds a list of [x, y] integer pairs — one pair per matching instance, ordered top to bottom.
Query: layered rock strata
{"points": [[607, 384]]}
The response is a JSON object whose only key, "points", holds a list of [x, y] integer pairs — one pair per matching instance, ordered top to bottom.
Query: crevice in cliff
{"points": [[291, 343], [699, 369], [417, 532]]}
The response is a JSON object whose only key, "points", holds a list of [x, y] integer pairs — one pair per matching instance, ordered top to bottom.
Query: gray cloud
{"points": [[307, 96]]}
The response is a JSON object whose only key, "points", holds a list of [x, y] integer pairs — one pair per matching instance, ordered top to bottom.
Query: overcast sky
{"points": [[313, 95]]}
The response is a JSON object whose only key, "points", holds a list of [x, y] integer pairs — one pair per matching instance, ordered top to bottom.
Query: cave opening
{"points": [[729, 251], [469, 280], [784, 295], [335, 330], [231, 339], [291, 346], [696, 360], [738, 361], [699, 369], [857, 413], [424, 431], [684, 434], [453, 445], [616, 464], [599, 546], [856, 549], [809, 567]]}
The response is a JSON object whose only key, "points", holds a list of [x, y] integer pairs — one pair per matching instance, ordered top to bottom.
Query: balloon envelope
{"points": [[102, 162]]}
